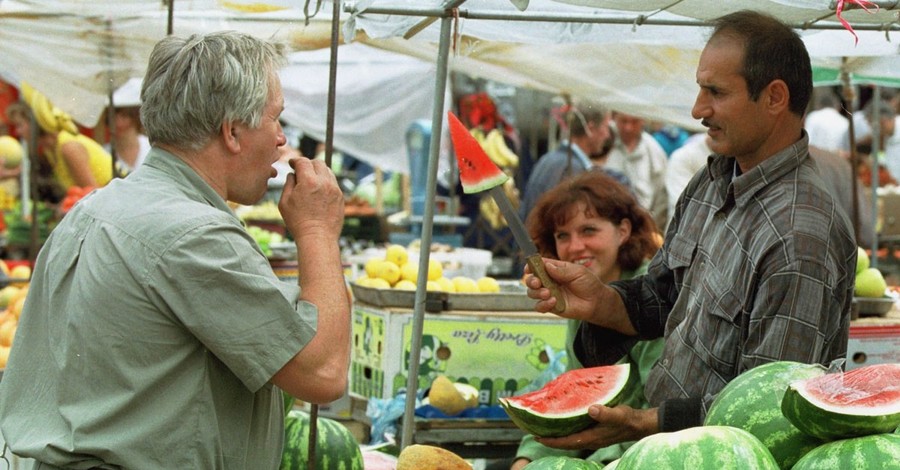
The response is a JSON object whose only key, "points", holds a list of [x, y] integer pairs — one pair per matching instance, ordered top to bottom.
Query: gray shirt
{"points": [[755, 268], [150, 333]]}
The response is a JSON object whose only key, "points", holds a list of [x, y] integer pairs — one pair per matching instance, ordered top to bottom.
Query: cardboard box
{"points": [[874, 340], [497, 352]]}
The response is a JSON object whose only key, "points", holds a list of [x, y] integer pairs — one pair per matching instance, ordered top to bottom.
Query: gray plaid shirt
{"points": [[756, 268]]}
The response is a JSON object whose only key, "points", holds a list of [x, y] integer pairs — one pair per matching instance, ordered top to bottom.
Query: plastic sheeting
{"points": [[77, 51]]}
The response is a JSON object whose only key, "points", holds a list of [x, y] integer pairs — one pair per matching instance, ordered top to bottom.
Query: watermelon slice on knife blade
{"points": [[477, 172]]}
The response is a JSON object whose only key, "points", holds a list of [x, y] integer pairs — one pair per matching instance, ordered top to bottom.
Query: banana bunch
{"points": [[49, 117], [495, 147], [491, 212]]}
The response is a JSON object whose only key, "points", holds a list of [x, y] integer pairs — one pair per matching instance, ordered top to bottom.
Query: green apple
{"points": [[862, 260], [870, 283]]}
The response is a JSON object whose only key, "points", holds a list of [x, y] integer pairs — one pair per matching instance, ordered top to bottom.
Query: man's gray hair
{"points": [[195, 84]]}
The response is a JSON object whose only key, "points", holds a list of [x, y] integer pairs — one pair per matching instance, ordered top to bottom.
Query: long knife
{"points": [[478, 173]]}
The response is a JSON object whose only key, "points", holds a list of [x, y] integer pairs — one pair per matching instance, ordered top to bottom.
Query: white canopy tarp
{"points": [[614, 51]]}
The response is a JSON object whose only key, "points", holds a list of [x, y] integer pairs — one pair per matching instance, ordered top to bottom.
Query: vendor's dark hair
{"points": [[772, 51], [604, 197]]}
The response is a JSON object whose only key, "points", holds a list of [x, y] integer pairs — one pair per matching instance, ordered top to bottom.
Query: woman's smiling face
{"points": [[592, 241]]}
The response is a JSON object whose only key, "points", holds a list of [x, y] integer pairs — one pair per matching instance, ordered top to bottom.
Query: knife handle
{"points": [[537, 268]]}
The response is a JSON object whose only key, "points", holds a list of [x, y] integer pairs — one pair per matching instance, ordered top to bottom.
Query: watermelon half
{"points": [[477, 172], [752, 402], [847, 404], [561, 407]]}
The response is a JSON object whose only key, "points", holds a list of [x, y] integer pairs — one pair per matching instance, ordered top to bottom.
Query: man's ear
{"points": [[778, 96], [230, 136]]}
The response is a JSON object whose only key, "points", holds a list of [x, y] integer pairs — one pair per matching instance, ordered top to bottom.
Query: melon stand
{"points": [[446, 14]]}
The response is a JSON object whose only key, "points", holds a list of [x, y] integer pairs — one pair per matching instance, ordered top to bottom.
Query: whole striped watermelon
{"points": [[752, 402], [846, 404], [560, 407], [336, 448], [699, 448], [875, 451], [559, 462]]}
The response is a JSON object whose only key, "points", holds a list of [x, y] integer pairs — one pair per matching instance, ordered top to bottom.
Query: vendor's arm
{"points": [[77, 160], [313, 209]]}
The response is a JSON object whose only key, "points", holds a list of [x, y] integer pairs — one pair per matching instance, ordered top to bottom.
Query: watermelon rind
{"points": [[570, 383], [752, 402], [828, 421], [336, 447], [699, 448], [875, 451], [559, 462]]}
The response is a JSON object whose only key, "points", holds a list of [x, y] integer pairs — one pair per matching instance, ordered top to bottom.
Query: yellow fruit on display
{"points": [[397, 254], [4, 267], [371, 267], [435, 270], [21, 271], [388, 271], [410, 272], [373, 282], [403, 284], [446, 284], [465, 285], [488, 285], [433, 286], [7, 294], [8, 331], [446, 397], [421, 457]]}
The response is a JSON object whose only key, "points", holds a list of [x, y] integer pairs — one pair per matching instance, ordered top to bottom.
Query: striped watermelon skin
{"points": [[752, 402], [810, 416], [336, 448], [699, 448], [875, 451], [562, 463]]}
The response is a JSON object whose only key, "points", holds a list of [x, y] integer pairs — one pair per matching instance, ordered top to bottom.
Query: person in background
{"points": [[825, 124], [588, 131], [129, 142], [640, 157], [75, 159], [684, 162], [837, 173], [595, 221], [758, 263], [155, 333]]}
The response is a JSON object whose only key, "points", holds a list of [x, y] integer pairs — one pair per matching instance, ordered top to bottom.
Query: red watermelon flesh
{"points": [[477, 172], [867, 390], [846, 404], [561, 407]]}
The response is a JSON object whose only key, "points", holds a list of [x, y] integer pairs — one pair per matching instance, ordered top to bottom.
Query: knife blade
{"points": [[478, 173], [529, 250]]}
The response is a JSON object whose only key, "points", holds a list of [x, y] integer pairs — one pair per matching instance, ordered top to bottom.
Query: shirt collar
{"points": [[579, 154], [183, 176], [745, 186]]}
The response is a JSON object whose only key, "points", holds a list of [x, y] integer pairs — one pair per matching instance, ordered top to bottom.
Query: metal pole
{"points": [[437, 120], [876, 148]]}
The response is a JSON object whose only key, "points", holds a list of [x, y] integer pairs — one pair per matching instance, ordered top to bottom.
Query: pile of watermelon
{"points": [[780, 415], [810, 419]]}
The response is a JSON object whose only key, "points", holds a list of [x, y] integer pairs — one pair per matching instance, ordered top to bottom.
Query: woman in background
{"points": [[593, 220]]}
